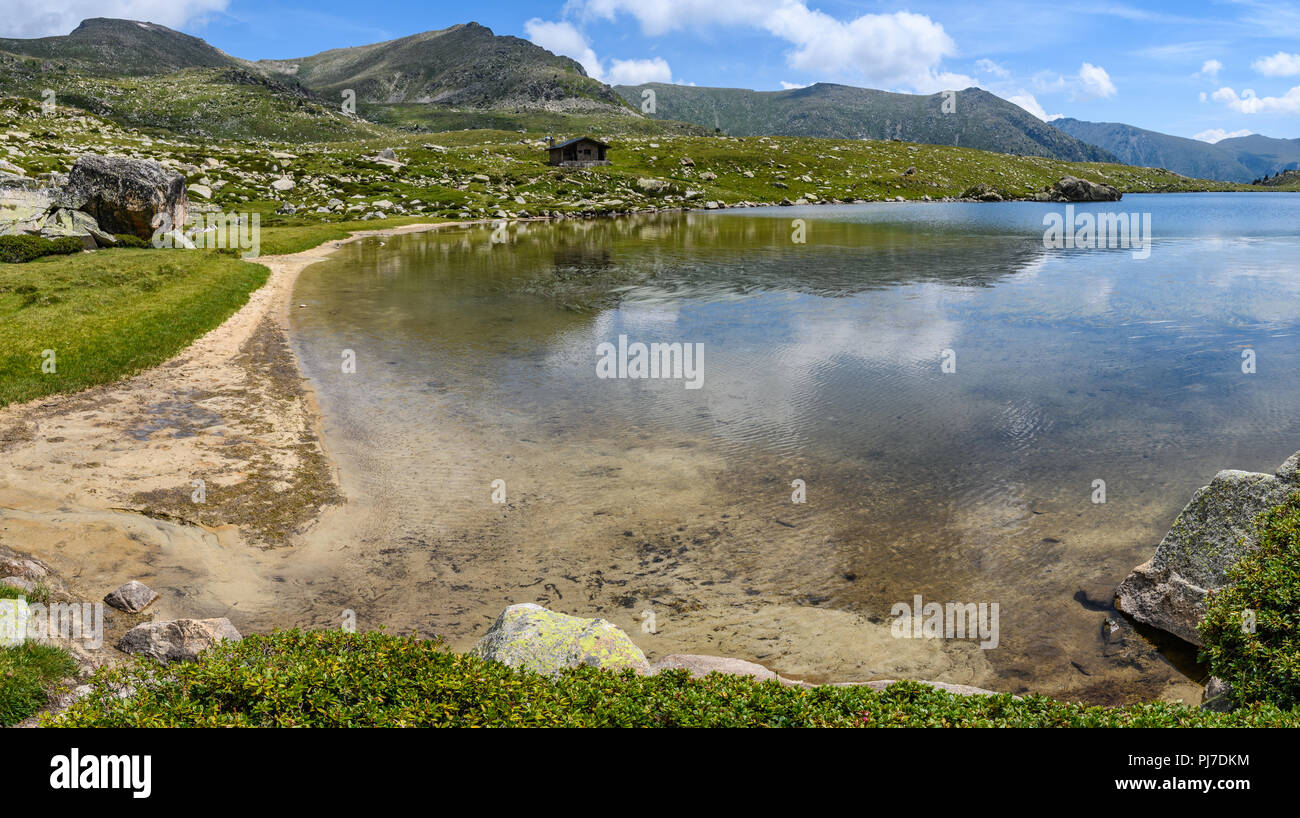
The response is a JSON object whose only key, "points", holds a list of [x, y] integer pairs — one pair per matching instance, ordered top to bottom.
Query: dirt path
{"points": [[188, 476]]}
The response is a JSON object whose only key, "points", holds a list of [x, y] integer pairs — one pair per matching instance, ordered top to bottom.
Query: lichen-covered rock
{"points": [[125, 195], [1209, 536], [132, 597], [532, 637], [181, 640]]}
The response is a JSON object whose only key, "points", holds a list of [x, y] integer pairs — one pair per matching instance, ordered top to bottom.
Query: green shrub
{"points": [[131, 240], [17, 249], [1262, 664], [27, 672], [337, 679]]}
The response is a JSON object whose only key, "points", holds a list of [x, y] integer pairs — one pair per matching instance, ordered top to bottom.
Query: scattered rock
{"points": [[284, 183], [1071, 189], [200, 190], [132, 597], [532, 637], [181, 640], [699, 666], [1217, 696]]}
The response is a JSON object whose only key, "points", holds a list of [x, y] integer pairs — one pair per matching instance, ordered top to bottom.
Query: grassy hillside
{"points": [[464, 65], [980, 119], [503, 174]]}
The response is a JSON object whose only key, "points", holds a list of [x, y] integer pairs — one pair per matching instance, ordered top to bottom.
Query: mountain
{"points": [[107, 47], [464, 65], [980, 119], [1264, 155], [1240, 159]]}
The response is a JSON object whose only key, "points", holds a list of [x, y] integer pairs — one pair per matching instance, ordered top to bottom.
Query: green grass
{"points": [[109, 314], [41, 593], [1263, 663], [27, 672], [336, 679]]}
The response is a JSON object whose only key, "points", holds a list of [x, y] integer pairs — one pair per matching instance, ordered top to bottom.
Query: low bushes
{"points": [[17, 249], [1251, 628], [338, 679]]}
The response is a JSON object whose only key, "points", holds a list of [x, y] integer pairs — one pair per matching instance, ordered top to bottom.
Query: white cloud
{"points": [[43, 19], [564, 38], [898, 50], [1280, 64], [986, 66], [1211, 68], [635, 72], [1095, 81], [790, 86], [1026, 100], [1248, 103], [1218, 135]]}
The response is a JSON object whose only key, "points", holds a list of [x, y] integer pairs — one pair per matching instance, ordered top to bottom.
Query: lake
{"points": [[966, 414]]}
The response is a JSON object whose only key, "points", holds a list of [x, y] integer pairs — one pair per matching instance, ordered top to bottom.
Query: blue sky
{"points": [[1190, 68]]}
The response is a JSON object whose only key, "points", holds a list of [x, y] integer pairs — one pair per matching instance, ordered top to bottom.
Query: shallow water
{"points": [[476, 360]]}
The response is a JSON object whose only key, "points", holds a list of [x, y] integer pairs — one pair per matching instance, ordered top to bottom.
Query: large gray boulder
{"points": [[1071, 189], [125, 195], [1210, 535], [531, 637], [181, 640]]}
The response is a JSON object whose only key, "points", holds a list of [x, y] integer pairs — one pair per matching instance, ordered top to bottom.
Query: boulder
{"points": [[284, 184], [1071, 189], [125, 195], [22, 200], [63, 222], [1209, 536], [132, 597], [531, 637], [181, 640], [699, 666]]}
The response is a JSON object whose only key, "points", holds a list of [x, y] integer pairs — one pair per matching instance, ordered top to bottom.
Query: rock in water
{"points": [[1070, 189], [125, 195], [1215, 529], [132, 597], [532, 637], [179, 641]]}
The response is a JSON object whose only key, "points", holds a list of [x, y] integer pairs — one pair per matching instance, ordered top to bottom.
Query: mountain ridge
{"points": [[975, 118]]}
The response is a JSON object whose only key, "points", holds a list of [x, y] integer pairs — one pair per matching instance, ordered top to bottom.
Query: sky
{"points": [[1197, 69]]}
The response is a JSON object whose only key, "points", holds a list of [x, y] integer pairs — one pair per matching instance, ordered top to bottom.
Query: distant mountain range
{"points": [[147, 75], [977, 120], [1240, 159]]}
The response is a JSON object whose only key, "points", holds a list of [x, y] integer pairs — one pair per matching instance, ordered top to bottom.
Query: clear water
{"points": [[476, 353]]}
